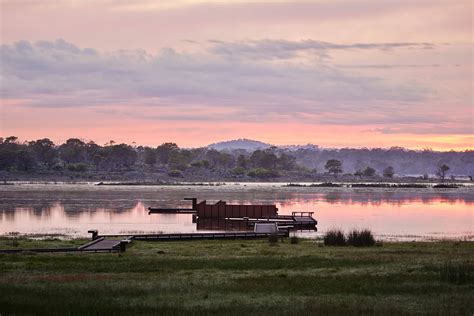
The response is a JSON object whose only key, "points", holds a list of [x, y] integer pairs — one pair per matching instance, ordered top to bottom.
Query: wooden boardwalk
{"points": [[200, 236], [101, 244], [97, 245]]}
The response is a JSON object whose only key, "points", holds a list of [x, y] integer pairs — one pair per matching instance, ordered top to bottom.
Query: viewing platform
{"points": [[244, 217]]}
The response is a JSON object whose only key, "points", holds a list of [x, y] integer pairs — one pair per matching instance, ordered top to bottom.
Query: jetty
{"points": [[240, 216], [228, 220]]}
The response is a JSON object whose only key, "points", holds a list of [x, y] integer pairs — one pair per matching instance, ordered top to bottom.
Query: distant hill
{"points": [[247, 144], [251, 145]]}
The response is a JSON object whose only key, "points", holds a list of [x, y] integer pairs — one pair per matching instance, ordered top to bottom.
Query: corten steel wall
{"points": [[222, 210], [222, 224]]}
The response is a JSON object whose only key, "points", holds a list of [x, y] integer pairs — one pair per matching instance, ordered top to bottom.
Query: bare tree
{"points": [[441, 171]]}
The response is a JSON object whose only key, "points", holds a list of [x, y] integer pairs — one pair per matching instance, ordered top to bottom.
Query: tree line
{"points": [[75, 155], [78, 156]]}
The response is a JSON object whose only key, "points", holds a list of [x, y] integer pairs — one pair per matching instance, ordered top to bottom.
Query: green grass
{"points": [[240, 277]]}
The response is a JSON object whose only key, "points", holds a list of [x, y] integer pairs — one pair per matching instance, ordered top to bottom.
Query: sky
{"points": [[334, 73]]}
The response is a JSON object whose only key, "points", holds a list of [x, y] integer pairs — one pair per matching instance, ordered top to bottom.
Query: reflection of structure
{"points": [[223, 216]]}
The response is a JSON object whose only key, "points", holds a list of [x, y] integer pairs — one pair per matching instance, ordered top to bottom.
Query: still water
{"points": [[71, 210]]}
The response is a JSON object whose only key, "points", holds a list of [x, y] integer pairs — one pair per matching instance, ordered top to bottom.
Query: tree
{"points": [[11, 140], [45, 151], [73, 151], [164, 151], [8, 153], [95, 154], [120, 156], [149, 156], [255, 158], [179, 159], [264, 159], [269, 159], [25, 160], [242, 161], [286, 162], [333, 166], [441, 171], [369, 172], [388, 172], [359, 173]]}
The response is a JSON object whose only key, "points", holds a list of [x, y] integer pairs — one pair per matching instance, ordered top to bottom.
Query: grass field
{"points": [[240, 277]]}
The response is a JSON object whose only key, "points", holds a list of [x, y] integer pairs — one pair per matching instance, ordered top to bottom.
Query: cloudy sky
{"points": [[335, 73]]}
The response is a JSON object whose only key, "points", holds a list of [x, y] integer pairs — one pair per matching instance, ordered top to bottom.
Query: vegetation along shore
{"points": [[78, 160], [285, 277]]}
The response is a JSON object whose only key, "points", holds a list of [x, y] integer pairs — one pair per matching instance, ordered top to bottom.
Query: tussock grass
{"points": [[334, 237], [273, 238], [356, 238], [360, 238], [294, 240], [457, 273], [235, 277]]}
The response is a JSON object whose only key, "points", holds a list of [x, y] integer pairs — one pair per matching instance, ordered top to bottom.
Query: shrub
{"points": [[197, 164], [77, 167], [57, 168], [238, 171], [369, 172], [175, 173], [263, 173], [326, 184], [445, 186], [334, 237], [273, 238], [362, 238], [294, 240], [457, 273]]}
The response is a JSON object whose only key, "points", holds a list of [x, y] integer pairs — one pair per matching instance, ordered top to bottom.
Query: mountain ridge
{"points": [[241, 143], [252, 145]]}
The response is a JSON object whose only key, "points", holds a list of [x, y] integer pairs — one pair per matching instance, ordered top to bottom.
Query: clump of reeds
{"points": [[334, 237], [273, 238], [356, 238], [360, 238], [294, 240], [457, 273]]}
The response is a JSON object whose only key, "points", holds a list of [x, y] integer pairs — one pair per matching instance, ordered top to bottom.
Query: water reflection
{"points": [[74, 210]]}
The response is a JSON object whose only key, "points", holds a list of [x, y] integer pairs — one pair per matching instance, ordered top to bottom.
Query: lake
{"points": [[392, 214]]}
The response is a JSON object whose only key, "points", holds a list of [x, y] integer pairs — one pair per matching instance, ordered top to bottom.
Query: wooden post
{"points": [[94, 232], [123, 245]]}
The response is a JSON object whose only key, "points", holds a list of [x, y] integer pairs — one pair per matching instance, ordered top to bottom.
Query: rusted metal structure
{"points": [[221, 210], [223, 216]]}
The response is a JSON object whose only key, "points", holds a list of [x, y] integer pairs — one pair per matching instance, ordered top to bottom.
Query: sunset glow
{"points": [[332, 73]]}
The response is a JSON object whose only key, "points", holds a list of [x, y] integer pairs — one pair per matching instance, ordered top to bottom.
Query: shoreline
{"points": [[147, 178], [284, 184], [318, 237]]}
